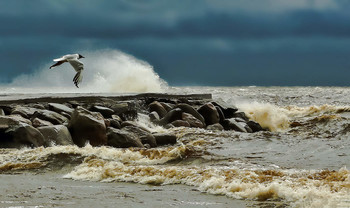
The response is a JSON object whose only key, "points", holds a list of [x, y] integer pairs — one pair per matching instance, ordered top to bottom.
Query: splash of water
{"points": [[108, 71]]}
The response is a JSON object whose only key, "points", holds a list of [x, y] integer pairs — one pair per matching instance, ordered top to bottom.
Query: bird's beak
{"points": [[82, 57]]}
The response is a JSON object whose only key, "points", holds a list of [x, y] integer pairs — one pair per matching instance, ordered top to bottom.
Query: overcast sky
{"points": [[191, 42]]}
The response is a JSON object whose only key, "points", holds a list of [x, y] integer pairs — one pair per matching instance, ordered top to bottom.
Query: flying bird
{"points": [[76, 64]]}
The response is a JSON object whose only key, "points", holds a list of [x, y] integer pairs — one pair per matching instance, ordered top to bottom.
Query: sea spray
{"points": [[108, 71]]}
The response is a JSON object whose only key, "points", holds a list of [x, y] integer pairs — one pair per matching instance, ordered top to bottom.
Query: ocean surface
{"points": [[302, 161]]}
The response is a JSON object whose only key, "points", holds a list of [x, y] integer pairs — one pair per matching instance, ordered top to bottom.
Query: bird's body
{"points": [[76, 64]]}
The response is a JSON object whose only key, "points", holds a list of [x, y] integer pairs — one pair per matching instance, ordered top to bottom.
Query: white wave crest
{"points": [[109, 71]]}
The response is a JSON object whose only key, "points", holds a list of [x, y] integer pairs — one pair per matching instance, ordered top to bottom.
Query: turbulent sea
{"points": [[302, 161]]}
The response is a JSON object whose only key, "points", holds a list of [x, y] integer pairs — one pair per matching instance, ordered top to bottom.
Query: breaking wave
{"points": [[108, 71]]}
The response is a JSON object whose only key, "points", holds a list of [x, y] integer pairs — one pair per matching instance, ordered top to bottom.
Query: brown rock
{"points": [[157, 107], [210, 114], [193, 121], [179, 123], [87, 126], [56, 135], [164, 138], [123, 139]]}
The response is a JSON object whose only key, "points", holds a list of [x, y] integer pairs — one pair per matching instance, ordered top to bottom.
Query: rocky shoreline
{"points": [[100, 120]]}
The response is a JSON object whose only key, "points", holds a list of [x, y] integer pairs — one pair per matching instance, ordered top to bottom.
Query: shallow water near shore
{"points": [[300, 162]]}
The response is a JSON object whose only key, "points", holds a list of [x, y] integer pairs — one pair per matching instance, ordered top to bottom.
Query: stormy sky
{"points": [[192, 42]]}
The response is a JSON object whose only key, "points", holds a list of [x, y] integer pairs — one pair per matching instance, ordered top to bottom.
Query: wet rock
{"points": [[167, 106], [157, 107], [59, 108], [226, 109], [125, 110], [190, 110], [2, 112], [25, 112], [106, 112], [210, 114], [221, 114], [66, 115], [173, 115], [241, 115], [51, 116], [153, 116], [116, 117], [20, 119], [193, 121], [37, 122], [114, 123], [133, 123], [179, 123], [232, 124], [87, 126], [169, 126], [254, 126], [215, 127], [21, 135], [56, 135], [145, 136], [164, 138], [123, 139]]}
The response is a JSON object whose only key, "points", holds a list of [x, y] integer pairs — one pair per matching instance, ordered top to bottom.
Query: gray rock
{"points": [[167, 106], [157, 107], [59, 108], [226, 109], [125, 110], [190, 110], [2, 112], [25, 112], [106, 112], [210, 114], [173, 115], [241, 115], [51, 116], [153, 116], [116, 117], [20, 119], [193, 121], [37, 122], [114, 123], [132, 123], [179, 123], [232, 124], [87, 126], [255, 126], [215, 127], [21, 135], [56, 135], [145, 136], [164, 138], [123, 139]]}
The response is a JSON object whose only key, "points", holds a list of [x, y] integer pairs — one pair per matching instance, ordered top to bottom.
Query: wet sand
{"points": [[51, 190]]}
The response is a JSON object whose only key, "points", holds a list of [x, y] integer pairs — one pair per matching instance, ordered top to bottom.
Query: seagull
{"points": [[76, 64]]}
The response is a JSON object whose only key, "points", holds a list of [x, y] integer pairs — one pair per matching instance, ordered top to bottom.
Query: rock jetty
{"points": [[111, 120]]}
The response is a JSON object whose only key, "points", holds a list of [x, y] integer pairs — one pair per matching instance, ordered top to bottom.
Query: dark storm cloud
{"points": [[193, 37]]}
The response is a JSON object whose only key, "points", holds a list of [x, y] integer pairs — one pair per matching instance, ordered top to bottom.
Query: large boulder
{"points": [[158, 107], [59, 108], [186, 108], [226, 109], [125, 110], [2, 112], [25, 112], [106, 112], [210, 114], [173, 115], [51, 116], [20, 119], [193, 121], [37, 122], [179, 123], [232, 124], [86, 126], [254, 126], [215, 127], [21, 135], [56, 135], [145, 136], [165, 138], [123, 139]]}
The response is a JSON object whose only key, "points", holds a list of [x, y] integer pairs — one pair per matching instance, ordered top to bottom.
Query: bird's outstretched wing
{"points": [[79, 67]]}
